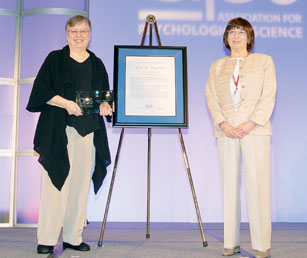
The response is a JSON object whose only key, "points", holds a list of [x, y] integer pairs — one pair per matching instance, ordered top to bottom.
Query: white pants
{"points": [[255, 152], [67, 208]]}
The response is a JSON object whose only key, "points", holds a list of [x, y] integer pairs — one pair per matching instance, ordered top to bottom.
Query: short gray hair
{"points": [[73, 21]]}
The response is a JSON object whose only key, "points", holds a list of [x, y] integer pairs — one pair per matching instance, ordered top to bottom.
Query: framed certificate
{"points": [[150, 87]]}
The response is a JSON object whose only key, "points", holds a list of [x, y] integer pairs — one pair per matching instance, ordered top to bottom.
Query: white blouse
{"points": [[235, 87]]}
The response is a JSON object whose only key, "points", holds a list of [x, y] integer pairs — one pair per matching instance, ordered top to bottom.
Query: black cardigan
{"points": [[50, 139]]}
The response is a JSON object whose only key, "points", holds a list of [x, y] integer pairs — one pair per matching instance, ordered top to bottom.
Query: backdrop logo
{"points": [[210, 6], [209, 17]]}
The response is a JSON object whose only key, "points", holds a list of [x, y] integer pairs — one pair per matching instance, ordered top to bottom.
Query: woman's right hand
{"points": [[72, 108], [229, 130]]}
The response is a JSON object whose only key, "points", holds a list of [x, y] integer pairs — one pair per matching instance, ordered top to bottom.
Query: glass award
{"points": [[89, 101]]}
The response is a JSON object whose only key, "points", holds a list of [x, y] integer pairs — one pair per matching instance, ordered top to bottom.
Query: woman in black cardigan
{"points": [[69, 142]]}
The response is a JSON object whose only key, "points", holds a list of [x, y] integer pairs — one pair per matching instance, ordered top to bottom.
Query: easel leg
{"points": [[148, 183], [111, 188], [205, 243]]}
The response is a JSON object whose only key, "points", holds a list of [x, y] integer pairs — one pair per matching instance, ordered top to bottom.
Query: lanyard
{"points": [[236, 82]]}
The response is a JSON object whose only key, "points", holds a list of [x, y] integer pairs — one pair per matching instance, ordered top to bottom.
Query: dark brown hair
{"points": [[73, 21], [242, 24]]}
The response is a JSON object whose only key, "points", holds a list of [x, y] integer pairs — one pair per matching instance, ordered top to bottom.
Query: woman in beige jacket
{"points": [[240, 94]]}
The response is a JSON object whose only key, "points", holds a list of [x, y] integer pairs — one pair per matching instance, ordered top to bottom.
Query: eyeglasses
{"points": [[75, 32], [240, 33]]}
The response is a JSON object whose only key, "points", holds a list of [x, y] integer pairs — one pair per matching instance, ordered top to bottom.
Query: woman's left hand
{"points": [[105, 109], [245, 128]]}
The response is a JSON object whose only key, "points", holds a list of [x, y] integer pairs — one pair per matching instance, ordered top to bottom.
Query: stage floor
{"points": [[167, 240]]}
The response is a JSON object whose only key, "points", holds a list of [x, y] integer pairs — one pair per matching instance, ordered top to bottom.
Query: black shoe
{"points": [[82, 247], [44, 249]]}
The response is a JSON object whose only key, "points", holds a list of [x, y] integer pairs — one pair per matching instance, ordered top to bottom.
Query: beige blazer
{"points": [[258, 90]]}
